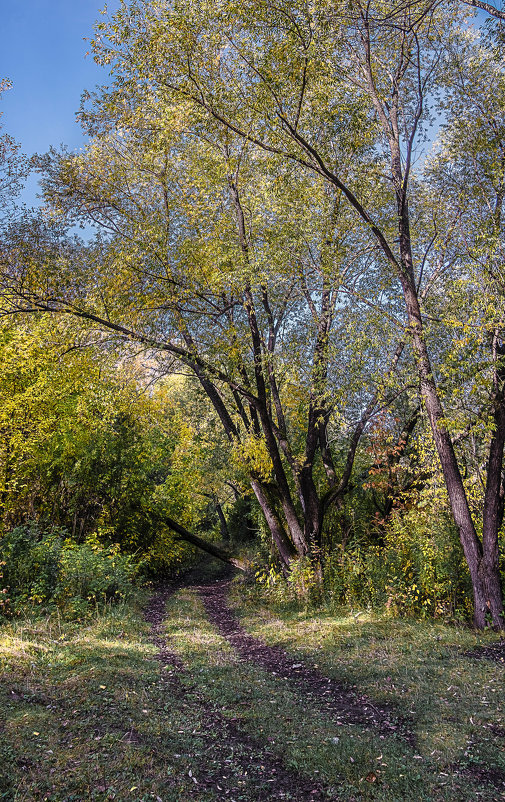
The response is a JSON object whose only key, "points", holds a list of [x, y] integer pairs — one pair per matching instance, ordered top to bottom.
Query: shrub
{"points": [[31, 562], [47, 567], [417, 570], [90, 572], [303, 585]]}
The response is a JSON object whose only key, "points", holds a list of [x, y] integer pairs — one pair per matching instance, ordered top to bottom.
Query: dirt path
{"points": [[494, 652], [341, 703], [239, 761], [241, 764]]}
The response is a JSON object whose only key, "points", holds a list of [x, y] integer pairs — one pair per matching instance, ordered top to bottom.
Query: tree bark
{"points": [[491, 10], [264, 414], [223, 525], [287, 551], [489, 569], [486, 583]]}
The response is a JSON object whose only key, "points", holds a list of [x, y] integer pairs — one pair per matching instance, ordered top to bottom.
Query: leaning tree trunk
{"points": [[493, 499], [284, 545], [209, 548]]}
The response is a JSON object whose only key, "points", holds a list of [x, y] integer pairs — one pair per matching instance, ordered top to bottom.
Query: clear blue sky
{"points": [[42, 51]]}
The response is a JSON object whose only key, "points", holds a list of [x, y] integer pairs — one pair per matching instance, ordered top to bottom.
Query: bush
{"points": [[166, 556], [31, 562], [49, 568], [418, 570], [90, 572], [302, 586]]}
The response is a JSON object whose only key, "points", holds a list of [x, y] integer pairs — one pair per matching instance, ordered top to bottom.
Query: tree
{"points": [[489, 8], [298, 83], [13, 166], [254, 167], [215, 268], [86, 448]]}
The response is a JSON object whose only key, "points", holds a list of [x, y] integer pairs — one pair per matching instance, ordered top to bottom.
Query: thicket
{"points": [[90, 461], [392, 546], [50, 570], [415, 570]]}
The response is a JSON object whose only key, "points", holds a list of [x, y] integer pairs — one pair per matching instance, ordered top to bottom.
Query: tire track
{"points": [[341, 703], [239, 761]]}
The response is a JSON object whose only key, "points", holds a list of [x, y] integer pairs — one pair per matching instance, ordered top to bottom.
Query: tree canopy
{"points": [[272, 217]]}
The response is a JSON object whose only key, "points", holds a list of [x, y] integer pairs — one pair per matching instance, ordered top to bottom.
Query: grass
{"points": [[457, 703], [266, 706], [88, 713], [85, 714]]}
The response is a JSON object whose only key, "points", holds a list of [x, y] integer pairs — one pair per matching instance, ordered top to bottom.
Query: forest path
{"points": [[337, 701], [186, 704], [237, 763], [263, 771]]}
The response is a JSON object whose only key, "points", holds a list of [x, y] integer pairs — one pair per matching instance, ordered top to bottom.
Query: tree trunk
{"points": [[493, 500], [313, 511], [223, 526], [209, 548], [287, 551], [486, 582]]}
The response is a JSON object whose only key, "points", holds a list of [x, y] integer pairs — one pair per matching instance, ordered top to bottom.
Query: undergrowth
{"points": [[47, 569], [455, 701]]}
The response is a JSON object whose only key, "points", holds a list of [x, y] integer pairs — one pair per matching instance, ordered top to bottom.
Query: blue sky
{"points": [[43, 53]]}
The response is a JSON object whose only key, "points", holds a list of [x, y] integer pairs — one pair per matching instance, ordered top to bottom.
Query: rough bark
{"points": [[287, 551], [489, 569], [485, 578]]}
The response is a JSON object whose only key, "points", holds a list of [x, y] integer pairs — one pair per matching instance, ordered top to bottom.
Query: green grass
{"points": [[457, 703], [88, 713], [85, 714], [340, 756]]}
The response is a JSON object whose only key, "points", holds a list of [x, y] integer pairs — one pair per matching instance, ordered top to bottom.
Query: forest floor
{"points": [[205, 694]]}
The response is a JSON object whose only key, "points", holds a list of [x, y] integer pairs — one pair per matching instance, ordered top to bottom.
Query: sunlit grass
{"points": [[456, 703], [86, 715], [341, 756]]}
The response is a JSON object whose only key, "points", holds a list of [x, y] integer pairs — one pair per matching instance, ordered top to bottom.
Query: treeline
{"points": [[273, 223]]}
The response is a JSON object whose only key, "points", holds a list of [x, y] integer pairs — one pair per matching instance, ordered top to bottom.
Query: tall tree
{"points": [[311, 85], [13, 166], [254, 167], [228, 261]]}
